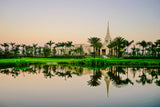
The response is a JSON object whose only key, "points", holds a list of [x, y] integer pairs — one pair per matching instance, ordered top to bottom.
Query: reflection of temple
{"points": [[87, 71], [106, 79]]}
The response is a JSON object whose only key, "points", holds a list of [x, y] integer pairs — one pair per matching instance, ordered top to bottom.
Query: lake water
{"points": [[68, 86]]}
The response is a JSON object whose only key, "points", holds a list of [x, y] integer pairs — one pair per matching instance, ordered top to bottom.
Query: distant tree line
{"points": [[118, 47], [50, 49]]}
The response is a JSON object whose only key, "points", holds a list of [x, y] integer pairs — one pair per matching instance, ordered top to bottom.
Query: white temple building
{"points": [[87, 49]]}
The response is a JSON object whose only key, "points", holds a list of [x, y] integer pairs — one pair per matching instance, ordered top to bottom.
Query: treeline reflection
{"points": [[118, 76]]}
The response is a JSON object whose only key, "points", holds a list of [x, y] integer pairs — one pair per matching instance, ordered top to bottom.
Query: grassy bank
{"points": [[37, 60], [88, 61], [99, 62]]}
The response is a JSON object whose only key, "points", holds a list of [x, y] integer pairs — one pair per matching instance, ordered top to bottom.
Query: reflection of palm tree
{"points": [[54, 68], [79, 70], [5, 71], [46, 71], [134, 71], [15, 73], [153, 73], [64, 74], [68, 74], [95, 77], [115, 77], [144, 79], [127, 80], [157, 82]]}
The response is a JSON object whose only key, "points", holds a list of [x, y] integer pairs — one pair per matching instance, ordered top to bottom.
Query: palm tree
{"points": [[93, 41], [50, 43], [127, 43], [62, 44], [68, 44], [143, 44], [149, 44], [57, 45], [120, 45], [6, 46], [99, 46], [158, 46], [12, 47], [23, 49], [35, 49], [110, 49], [149, 49], [153, 49], [16, 50], [29, 50], [54, 50], [133, 50], [39, 51], [46, 51], [137, 51]]}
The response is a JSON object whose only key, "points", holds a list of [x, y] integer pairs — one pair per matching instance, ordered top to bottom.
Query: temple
{"points": [[87, 49], [104, 50]]}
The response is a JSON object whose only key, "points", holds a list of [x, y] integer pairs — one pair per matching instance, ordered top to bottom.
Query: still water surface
{"points": [[68, 86]]}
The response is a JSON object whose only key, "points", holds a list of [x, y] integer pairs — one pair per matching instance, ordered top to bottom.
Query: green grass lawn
{"points": [[37, 60], [56, 60]]}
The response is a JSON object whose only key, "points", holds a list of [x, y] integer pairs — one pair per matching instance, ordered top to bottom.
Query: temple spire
{"points": [[108, 34], [107, 38]]}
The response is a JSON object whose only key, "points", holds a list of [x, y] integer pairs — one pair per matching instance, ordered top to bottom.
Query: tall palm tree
{"points": [[93, 41], [50, 43], [127, 43], [69, 44], [57, 45], [62, 45], [120, 45], [144, 45], [158, 46], [6, 47], [12, 47], [98, 47], [148, 48], [23, 49], [35, 49], [110, 49], [153, 49], [16, 50], [29, 50], [133, 50], [39, 51], [46, 51], [137, 51]]}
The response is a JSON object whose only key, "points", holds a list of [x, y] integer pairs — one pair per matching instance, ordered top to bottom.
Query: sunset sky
{"points": [[38, 21]]}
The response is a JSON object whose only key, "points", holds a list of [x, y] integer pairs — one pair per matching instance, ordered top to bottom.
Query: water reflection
{"points": [[119, 76], [75, 86]]}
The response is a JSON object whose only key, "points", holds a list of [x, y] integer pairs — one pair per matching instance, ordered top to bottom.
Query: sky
{"points": [[39, 21]]}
